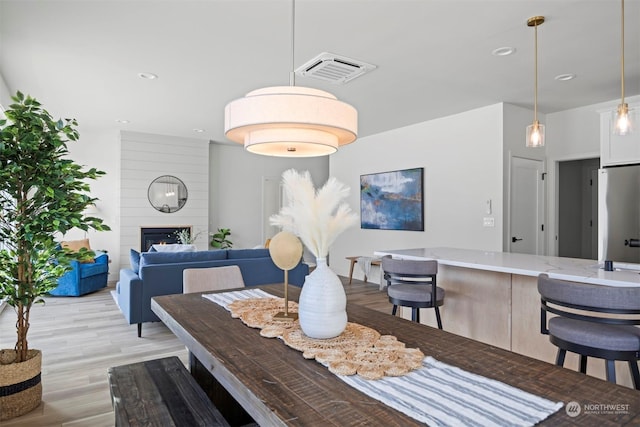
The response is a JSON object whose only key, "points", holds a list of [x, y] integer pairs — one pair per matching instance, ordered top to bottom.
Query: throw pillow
{"points": [[76, 245], [80, 246], [173, 247], [134, 257]]}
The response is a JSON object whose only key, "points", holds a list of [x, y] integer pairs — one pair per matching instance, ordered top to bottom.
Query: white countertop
{"points": [[574, 269]]}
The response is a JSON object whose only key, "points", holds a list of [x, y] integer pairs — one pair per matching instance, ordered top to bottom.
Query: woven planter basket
{"points": [[20, 385]]}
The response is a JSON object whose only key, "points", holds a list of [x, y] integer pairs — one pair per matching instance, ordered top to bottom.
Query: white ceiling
{"points": [[82, 58]]}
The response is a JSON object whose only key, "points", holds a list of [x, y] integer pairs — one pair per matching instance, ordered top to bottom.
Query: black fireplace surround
{"points": [[158, 236]]}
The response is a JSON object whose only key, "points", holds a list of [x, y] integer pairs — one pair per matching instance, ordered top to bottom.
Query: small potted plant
{"points": [[43, 194], [184, 236], [219, 240]]}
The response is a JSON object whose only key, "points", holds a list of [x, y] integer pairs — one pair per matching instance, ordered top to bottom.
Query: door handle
{"points": [[515, 239], [632, 243]]}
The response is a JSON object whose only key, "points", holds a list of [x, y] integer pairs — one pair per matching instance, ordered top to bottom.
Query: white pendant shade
{"points": [[290, 121]]}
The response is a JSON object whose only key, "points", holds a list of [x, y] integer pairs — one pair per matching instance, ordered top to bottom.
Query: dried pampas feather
{"points": [[316, 217]]}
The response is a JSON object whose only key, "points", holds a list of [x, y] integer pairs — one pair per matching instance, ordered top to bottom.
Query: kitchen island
{"points": [[493, 297]]}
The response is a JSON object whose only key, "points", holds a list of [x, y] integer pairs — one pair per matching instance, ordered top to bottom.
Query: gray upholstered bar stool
{"points": [[412, 283], [603, 328]]}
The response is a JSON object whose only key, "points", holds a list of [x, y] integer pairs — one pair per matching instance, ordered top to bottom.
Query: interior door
{"points": [[526, 206]]}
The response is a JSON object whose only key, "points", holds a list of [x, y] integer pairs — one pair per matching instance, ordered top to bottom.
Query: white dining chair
{"points": [[211, 279]]}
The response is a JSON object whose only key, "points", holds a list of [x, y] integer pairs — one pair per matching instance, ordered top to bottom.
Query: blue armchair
{"points": [[84, 277]]}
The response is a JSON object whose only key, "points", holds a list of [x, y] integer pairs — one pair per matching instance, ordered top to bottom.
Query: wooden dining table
{"points": [[276, 386]]}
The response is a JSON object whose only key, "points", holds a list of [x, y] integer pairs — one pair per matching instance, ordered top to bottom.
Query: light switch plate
{"points": [[489, 222]]}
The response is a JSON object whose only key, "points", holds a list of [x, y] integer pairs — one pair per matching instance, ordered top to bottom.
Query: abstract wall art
{"points": [[392, 200]]}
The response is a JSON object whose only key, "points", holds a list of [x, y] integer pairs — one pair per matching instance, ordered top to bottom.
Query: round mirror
{"points": [[167, 194]]}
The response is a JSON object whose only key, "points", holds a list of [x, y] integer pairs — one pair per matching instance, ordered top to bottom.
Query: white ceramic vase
{"points": [[322, 306]]}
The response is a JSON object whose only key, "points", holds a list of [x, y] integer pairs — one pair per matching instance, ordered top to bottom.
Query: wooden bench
{"points": [[354, 261], [160, 392]]}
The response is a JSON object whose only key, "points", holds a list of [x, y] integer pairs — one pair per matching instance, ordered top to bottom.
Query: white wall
{"points": [[5, 95], [516, 119], [100, 150], [462, 156], [144, 157], [236, 189]]}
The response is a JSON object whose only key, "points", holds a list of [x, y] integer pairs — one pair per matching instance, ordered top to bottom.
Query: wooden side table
{"points": [[354, 260]]}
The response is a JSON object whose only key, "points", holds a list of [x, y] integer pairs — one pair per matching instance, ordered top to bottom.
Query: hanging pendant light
{"points": [[290, 121], [622, 123], [535, 131]]}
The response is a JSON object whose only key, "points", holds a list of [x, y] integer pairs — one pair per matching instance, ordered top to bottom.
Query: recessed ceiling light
{"points": [[504, 51], [148, 76], [565, 77], [123, 121], [198, 130]]}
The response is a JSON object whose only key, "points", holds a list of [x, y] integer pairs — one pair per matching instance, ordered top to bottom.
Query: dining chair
{"points": [[211, 279], [412, 283], [592, 321]]}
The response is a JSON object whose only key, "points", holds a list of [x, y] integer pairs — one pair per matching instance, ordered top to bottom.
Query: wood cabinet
{"points": [[503, 309]]}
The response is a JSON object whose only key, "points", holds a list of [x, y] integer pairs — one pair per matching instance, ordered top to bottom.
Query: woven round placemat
{"points": [[259, 312], [354, 336], [358, 350]]}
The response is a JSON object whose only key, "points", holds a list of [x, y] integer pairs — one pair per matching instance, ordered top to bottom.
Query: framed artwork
{"points": [[392, 200]]}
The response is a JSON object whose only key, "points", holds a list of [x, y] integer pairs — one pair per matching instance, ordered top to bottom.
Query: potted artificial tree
{"points": [[42, 195]]}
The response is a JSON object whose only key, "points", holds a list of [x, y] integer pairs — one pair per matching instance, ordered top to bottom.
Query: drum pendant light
{"points": [[290, 121], [622, 123], [535, 131]]}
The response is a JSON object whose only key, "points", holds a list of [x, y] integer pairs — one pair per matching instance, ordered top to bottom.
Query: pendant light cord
{"points": [[622, 57], [292, 75], [535, 93]]}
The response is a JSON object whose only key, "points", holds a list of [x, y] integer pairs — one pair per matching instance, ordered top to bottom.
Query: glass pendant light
{"points": [[622, 122], [535, 131]]}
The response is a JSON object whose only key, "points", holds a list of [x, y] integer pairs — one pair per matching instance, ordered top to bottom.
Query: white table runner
{"points": [[225, 298], [439, 394], [442, 395]]}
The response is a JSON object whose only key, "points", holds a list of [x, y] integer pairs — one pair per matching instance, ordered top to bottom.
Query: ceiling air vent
{"points": [[334, 68]]}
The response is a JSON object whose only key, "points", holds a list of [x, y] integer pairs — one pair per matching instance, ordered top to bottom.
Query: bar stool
{"points": [[412, 283], [603, 329]]}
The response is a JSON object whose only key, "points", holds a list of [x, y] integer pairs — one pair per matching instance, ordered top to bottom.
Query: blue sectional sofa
{"points": [[160, 273]]}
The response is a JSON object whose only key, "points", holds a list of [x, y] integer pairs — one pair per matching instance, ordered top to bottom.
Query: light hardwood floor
{"points": [[82, 337]]}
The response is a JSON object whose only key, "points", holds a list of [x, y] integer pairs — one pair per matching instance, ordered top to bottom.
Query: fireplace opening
{"points": [[159, 236]]}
